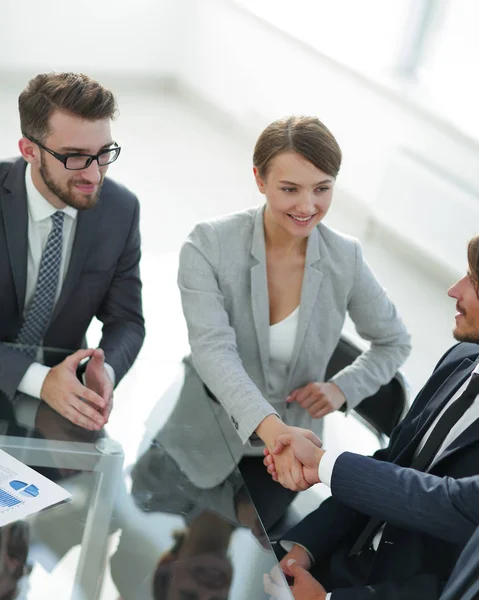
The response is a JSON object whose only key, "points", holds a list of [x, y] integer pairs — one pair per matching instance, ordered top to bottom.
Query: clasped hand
{"points": [[86, 405], [305, 448], [293, 461]]}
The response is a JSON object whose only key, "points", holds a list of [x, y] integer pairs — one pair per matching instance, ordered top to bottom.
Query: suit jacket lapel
{"points": [[15, 214], [87, 223], [259, 290], [309, 293], [434, 407], [467, 437]]}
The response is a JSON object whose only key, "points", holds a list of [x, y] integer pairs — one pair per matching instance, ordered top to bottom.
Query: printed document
{"points": [[23, 491]]}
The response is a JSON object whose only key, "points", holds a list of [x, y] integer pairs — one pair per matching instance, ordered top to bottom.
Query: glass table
{"points": [[136, 527]]}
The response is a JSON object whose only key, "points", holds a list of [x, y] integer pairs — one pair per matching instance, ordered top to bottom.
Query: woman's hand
{"points": [[319, 399], [287, 467]]}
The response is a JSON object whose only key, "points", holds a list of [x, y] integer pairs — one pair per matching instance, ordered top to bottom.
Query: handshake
{"points": [[295, 458]]}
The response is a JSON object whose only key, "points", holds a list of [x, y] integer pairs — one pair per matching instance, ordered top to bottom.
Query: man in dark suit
{"points": [[70, 243], [355, 556], [464, 581]]}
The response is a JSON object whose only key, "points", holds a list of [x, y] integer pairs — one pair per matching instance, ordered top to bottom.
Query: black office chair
{"points": [[380, 413]]}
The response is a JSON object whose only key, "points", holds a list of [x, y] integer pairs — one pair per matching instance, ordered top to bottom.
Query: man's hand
{"points": [[98, 380], [67, 396], [319, 399], [308, 453], [289, 470], [298, 554], [305, 586]]}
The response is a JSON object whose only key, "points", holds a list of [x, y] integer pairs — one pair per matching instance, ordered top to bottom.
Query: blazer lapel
{"points": [[15, 214], [87, 223], [259, 290], [309, 293], [434, 407]]}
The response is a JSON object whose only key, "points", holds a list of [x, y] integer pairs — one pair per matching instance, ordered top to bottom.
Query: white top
{"points": [[282, 336]]}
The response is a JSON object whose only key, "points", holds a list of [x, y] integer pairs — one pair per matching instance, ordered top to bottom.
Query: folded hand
{"points": [[319, 399]]}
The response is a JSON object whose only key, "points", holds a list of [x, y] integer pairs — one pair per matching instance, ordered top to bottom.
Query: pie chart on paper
{"points": [[24, 489]]}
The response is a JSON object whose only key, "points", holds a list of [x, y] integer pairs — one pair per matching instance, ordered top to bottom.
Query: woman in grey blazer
{"points": [[265, 293]]}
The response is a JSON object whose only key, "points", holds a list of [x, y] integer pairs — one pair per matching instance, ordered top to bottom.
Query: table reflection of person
{"points": [[265, 293], [159, 485], [14, 542], [197, 567]]}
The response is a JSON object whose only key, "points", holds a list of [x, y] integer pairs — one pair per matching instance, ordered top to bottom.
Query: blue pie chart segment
{"points": [[25, 489]]}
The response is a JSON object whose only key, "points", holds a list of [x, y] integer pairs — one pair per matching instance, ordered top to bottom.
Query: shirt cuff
{"points": [[111, 373], [32, 382], [25, 409], [326, 466], [288, 546]]}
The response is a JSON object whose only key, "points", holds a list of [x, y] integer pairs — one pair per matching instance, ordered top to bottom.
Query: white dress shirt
{"points": [[39, 227], [328, 460]]}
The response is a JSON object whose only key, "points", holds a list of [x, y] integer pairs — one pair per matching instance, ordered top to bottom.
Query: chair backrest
{"points": [[383, 410]]}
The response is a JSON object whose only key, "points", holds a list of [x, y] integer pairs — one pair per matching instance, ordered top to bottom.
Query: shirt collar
{"points": [[38, 206]]}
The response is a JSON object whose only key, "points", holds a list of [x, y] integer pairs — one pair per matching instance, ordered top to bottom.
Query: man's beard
{"points": [[66, 194], [466, 336]]}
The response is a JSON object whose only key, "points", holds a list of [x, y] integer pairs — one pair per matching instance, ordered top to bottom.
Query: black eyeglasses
{"points": [[78, 162]]}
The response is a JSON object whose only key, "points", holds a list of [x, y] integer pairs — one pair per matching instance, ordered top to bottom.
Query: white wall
{"points": [[118, 36], [406, 170], [414, 172]]}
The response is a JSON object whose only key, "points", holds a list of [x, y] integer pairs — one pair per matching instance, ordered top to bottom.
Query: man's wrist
{"points": [[326, 466]]}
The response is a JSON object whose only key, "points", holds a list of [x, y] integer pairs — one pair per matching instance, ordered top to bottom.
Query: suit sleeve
{"points": [[121, 310], [376, 320], [212, 339], [13, 366], [443, 507], [323, 530], [424, 586]]}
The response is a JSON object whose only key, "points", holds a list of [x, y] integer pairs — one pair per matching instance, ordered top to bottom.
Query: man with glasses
{"points": [[70, 247]]}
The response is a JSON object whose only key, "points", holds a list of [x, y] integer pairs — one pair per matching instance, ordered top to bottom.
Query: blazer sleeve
{"points": [[121, 310], [377, 321], [212, 339], [13, 366], [443, 507], [323, 530]]}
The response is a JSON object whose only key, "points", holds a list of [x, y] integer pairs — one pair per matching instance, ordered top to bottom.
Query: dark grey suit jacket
{"points": [[102, 280], [410, 563], [464, 581]]}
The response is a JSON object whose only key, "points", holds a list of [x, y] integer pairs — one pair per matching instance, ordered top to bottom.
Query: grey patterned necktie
{"points": [[38, 315]]}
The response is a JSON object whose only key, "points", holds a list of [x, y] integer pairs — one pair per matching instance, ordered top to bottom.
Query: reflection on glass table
{"points": [[140, 529]]}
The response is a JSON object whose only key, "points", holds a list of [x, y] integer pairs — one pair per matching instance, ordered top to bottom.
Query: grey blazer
{"points": [[103, 278], [223, 284]]}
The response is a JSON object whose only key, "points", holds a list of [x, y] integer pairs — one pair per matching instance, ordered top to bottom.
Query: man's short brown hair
{"points": [[73, 93], [473, 260]]}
